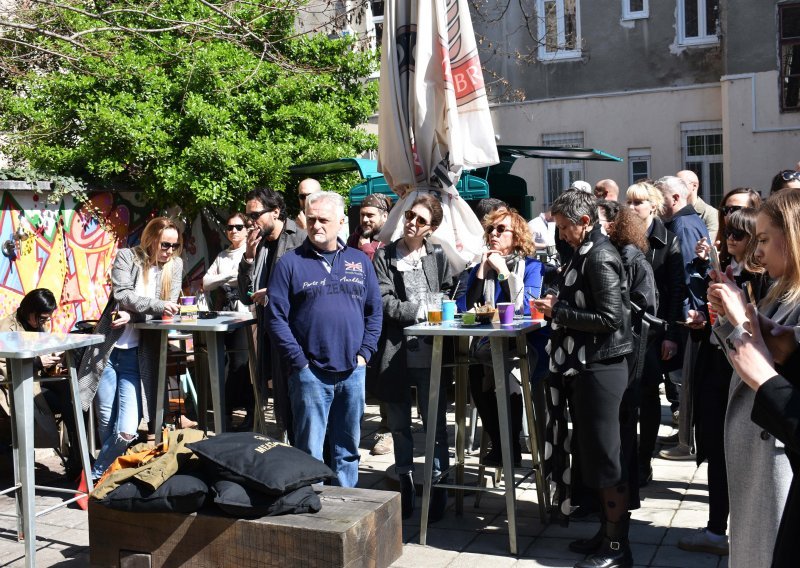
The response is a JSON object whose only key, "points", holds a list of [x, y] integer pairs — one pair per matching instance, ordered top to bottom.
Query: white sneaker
{"points": [[702, 542]]}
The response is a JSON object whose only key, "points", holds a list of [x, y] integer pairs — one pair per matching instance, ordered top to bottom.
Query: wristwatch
{"points": [[501, 277]]}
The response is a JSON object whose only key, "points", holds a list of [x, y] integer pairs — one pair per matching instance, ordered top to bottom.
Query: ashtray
{"points": [[205, 315]]}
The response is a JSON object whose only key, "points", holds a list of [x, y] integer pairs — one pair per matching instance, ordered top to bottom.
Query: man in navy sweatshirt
{"points": [[326, 315]]}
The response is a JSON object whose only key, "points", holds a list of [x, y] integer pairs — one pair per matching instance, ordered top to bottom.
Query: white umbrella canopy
{"points": [[434, 117]]}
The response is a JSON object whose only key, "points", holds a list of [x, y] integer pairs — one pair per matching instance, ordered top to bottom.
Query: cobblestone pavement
{"points": [[673, 505]]}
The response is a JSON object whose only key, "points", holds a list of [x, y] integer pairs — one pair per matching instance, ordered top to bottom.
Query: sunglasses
{"points": [[789, 175], [302, 196], [728, 209], [256, 214], [421, 221], [236, 227], [500, 229], [736, 234], [167, 246]]}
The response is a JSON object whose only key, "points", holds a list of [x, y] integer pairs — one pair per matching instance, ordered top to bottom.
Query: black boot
{"points": [[408, 494], [438, 504], [589, 545], [615, 550]]}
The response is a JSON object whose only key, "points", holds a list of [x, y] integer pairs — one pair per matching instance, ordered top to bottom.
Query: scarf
{"points": [[516, 281]]}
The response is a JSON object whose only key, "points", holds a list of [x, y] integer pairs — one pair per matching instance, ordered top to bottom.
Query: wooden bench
{"points": [[356, 527]]}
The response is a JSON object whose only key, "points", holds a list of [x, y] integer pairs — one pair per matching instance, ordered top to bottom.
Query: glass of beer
{"points": [[434, 307]]}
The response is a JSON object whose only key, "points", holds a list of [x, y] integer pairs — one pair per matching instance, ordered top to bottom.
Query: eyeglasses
{"points": [[789, 175], [728, 209], [256, 214], [421, 221], [236, 227], [499, 228], [736, 234], [166, 246], [43, 319]]}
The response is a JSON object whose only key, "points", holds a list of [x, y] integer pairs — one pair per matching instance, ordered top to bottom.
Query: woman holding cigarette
{"points": [[409, 269], [507, 273], [119, 375]]}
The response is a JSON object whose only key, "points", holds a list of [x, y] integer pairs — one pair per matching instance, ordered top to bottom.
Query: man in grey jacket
{"points": [[271, 236]]}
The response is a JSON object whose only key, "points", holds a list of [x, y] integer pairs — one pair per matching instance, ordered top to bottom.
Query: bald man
{"points": [[306, 188], [606, 189], [708, 214]]}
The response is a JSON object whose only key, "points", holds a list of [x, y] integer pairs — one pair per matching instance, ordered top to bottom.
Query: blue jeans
{"points": [[332, 402], [119, 406], [399, 419]]}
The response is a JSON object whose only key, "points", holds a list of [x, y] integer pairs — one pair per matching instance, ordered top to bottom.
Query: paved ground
{"points": [[674, 505]]}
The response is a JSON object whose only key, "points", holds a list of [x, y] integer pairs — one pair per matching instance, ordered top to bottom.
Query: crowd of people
{"points": [[640, 288]]}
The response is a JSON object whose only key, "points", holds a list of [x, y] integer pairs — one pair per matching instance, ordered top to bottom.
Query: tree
{"points": [[192, 102]]}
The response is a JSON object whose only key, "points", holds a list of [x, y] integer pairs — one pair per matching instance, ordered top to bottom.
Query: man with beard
{"points": [[373, 214], [271, 236]]}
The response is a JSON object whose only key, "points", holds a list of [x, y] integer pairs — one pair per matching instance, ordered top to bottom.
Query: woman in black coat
{"points": [[591, 338], [665, 351]]}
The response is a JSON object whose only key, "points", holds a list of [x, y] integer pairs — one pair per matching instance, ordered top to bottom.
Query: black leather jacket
{"points": [[665, 258], [606, 319]]}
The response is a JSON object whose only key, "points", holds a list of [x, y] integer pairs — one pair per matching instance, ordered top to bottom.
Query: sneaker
{"points": [[671, 440], [383, 444], [679, 452], [701, 541]]}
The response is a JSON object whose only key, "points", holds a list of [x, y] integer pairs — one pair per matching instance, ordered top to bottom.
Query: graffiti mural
{"points": [[63, 248]]}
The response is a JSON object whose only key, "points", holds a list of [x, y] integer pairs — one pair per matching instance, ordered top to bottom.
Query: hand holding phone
{"points": [[713, 256]]}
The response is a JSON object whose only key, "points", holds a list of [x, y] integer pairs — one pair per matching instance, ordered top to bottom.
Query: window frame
{"points": [[628, 14], [702, 18], [560, 54], [783, 78], [706, 128], [563, 139], [639, 155]]}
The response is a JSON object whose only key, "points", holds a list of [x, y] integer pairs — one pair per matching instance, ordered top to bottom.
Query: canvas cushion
{"points": [[260, 462], [181, 493], [240, 501]]}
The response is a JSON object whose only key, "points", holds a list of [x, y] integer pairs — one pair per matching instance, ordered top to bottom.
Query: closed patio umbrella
{"points": [[434, 117]]}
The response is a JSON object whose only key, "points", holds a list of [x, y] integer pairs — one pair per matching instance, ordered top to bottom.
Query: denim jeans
{"points": [[333, 402], [118, 404], [399, 418]]}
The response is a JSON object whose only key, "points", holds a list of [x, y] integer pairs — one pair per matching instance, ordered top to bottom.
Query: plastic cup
{"points": [[188, 300], [448, 310], [506, 310], [535, 313], [434, 316], [468, 318]]}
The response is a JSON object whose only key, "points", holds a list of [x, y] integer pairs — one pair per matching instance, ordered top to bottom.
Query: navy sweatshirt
{"points": [[320, 318]]}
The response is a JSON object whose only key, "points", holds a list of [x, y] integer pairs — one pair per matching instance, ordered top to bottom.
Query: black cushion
{"points": [[260, 462], [181, 493], [240, 501]]}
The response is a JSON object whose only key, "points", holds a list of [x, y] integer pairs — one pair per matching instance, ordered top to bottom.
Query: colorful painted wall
{"points": [[63, 248]]}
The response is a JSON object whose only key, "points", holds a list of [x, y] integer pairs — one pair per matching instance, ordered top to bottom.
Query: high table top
{"points": [[223, 322], [458, 329], [29, 344]]}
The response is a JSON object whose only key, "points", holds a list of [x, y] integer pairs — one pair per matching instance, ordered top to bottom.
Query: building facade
{"points": [[706, 85]]}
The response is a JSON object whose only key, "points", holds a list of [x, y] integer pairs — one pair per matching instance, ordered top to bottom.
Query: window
{"points": [[635, 9], [375, 12], [789, 17], [697, 22], [559, 29], [702, 153], [638, 164], [559, 174]]}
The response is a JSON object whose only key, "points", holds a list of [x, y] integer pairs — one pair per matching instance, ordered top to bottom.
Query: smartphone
{"points": [[714, 258], [748, 292], [115, 315], [687, 324]]}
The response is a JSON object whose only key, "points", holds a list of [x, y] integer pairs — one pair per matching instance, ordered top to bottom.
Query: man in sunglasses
{"points": [[708, 214], [271, 236], [325, 319]]}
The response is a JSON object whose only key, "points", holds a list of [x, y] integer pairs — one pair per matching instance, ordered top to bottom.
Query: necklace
{"points": [[412, 258]]}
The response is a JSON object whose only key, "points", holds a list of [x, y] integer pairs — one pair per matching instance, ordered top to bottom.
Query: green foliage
{"points": [[193, 122]]}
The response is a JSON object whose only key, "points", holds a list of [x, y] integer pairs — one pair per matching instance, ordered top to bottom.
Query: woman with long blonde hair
{"points": [[119, 376], [759, 473]]}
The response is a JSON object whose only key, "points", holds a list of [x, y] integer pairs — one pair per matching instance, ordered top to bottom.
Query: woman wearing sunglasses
{"points": [[786, 179], [734, 200], [409, 269], [507, 272], [223, 275], [711, 373], [120, 375]]}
